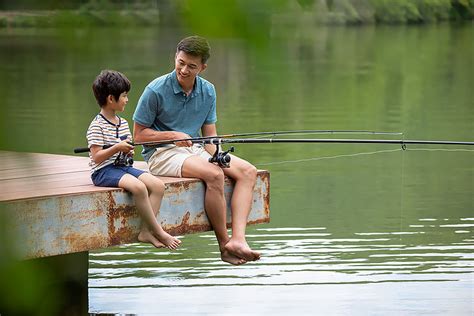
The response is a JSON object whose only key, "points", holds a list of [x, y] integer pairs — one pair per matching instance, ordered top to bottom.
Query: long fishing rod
{"points": [[263, 134], [216, 141]]}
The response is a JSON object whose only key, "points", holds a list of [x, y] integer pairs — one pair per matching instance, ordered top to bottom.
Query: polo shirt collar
{"points": [[177, 88]]}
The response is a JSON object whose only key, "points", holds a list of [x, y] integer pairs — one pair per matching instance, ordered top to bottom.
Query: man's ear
{"points": [[204, 66]]}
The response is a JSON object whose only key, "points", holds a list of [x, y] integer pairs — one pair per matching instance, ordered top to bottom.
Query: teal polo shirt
{"points": [[164, 106]]}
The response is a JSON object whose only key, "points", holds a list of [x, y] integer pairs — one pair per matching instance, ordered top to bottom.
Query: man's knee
{"points": [[249, 173], [214, 178]]}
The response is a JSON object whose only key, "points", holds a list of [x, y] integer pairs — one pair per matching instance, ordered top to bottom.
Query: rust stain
{"points": [[185, 227], [125, 233], [78, 242]]}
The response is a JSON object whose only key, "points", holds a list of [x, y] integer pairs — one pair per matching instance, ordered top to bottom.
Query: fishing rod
{"points": [[263, 134]]}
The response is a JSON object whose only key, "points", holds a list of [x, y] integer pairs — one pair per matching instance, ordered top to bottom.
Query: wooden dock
{"points": [[52, 207]]}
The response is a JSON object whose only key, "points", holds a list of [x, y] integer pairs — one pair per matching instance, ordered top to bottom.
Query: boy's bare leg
{"points": [[245, 176], [156, 190], [215, 205], [151, 230]]}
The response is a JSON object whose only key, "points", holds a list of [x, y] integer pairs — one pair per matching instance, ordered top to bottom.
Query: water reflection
{"points": [[291, 256], [295, 256]]}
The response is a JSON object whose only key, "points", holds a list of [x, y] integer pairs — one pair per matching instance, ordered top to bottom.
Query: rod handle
{"points": [[81, 150]]}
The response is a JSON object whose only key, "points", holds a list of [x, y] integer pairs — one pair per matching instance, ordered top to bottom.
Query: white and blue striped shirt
{"points": [[102, 132]]}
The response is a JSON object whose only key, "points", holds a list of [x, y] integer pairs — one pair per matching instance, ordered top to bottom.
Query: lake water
{"points": [[355, 229]]}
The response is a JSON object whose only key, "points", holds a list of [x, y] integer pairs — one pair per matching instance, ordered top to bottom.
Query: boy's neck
{"points": [[109, 115]]}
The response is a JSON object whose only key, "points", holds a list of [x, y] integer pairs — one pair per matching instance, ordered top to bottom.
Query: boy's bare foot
{"points": [[146, 236], [169, 241], [241, 250], [229, 258]]}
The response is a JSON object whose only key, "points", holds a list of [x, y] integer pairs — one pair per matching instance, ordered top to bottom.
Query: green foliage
{"points": [[434, 10], [396, 11], [82, 18], [232, 18]]}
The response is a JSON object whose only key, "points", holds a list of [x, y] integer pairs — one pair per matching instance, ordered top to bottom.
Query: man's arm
{"points": [[209, 130], [143, 134]]}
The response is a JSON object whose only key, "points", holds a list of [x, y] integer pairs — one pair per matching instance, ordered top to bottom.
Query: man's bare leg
{"points": [[245, 176], [215, 205]]}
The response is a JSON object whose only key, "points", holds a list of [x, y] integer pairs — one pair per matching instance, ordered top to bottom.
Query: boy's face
{"points": [[187, 68], [117, 105]]}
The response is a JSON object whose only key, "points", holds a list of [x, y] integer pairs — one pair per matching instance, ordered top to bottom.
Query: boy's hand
{"points": [[124, 146]]}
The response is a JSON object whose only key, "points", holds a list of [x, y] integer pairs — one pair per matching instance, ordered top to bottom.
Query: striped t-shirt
{"points": [[103, 132]]}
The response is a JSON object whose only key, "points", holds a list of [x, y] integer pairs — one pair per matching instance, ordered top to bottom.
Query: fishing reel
{"points": [[221, 158], [124, 160]]}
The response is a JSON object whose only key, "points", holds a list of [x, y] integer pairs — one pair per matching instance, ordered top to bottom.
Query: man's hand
{"points": [[185, 143]]}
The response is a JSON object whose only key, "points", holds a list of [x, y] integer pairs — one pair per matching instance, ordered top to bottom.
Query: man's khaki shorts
{"points": [[168, 161]]}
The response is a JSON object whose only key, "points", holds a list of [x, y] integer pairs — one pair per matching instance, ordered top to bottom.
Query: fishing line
{"points": [[361, 154], [329, 157], [402, 185]]}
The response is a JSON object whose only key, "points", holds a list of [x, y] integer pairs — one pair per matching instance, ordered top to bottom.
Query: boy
{"points": [[108, 138]]}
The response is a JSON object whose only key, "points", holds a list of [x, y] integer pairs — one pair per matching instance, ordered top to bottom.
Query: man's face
{"points": [[187, 68]]}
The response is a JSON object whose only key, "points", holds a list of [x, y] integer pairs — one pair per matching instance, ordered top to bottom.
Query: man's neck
{"points": [[187, 88]]}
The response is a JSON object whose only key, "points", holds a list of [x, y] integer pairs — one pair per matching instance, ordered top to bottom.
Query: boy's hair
{"points": [[195, 46], [110, 82]]}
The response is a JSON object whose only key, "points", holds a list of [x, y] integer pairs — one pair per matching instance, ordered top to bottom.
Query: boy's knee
{"points": [[158, 186], [138, 188]]}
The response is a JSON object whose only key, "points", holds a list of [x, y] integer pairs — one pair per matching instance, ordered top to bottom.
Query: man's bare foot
{"points": [[146, 236], [168, 240], [241, 250], [229, 258]]}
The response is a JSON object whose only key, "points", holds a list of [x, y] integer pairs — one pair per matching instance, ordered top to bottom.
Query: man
{"points": [[181, 105]]}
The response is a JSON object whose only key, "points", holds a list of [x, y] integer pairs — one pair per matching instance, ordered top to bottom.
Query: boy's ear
{"points": [[204, 66], [110, 98]]}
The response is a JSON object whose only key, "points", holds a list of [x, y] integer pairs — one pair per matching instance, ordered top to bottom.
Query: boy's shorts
{"points": [[168, 161], [109, 176]]}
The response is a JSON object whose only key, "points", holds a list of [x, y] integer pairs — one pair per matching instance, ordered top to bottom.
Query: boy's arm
{"points": [[99, 154]]}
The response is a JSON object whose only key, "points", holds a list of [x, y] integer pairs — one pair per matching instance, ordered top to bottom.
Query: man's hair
{"points": [[195, 46], [110, 82]]}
